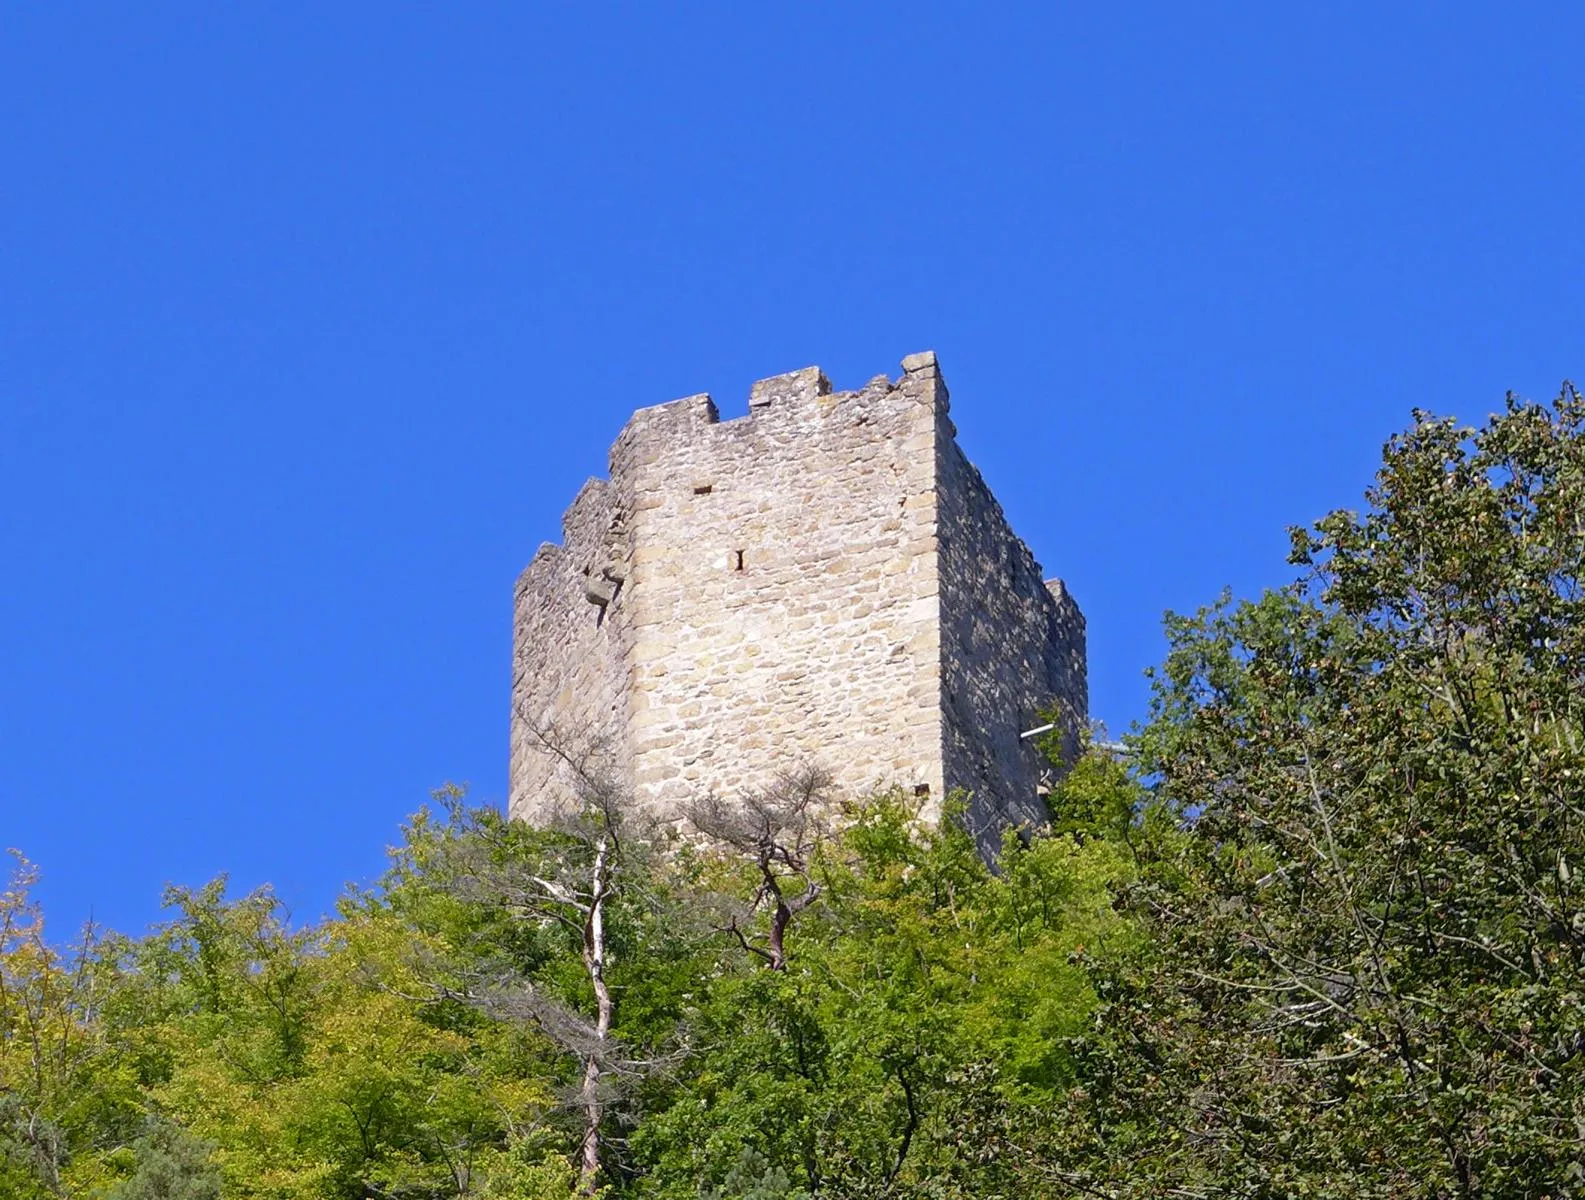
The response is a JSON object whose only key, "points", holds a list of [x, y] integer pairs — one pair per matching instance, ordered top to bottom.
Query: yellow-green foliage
{"points": [[350, 1058]]}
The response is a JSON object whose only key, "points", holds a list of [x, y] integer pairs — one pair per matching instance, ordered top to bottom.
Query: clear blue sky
{"points": [[314, 317]]}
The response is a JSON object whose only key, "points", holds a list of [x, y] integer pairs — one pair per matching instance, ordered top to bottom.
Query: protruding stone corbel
{"points": [[601, 589]]}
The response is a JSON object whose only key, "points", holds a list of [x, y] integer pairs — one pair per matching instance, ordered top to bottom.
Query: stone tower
{"points": [[826, 579]]}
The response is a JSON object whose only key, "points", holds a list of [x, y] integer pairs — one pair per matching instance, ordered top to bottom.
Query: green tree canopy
{"points": [[1367, 974]]}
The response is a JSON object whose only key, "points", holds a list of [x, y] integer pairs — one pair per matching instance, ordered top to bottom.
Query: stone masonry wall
{"points": [[745, 595], [1013, 650], [569, 681]]}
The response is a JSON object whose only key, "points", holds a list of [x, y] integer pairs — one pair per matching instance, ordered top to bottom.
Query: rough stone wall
{"points": [[748, 594], [783, 594], [1012, 652], [569, 679]]}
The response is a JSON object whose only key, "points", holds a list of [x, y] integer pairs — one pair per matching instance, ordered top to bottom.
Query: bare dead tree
{"points": [[778, 830], [568, 878]]}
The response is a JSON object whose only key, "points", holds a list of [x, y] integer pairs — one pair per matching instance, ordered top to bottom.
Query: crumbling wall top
{"points": [[794, 387], [650, 432], [1064, 598]]}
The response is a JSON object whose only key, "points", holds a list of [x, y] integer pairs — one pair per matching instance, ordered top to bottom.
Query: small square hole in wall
{"points": [[704, 489], [737, 560], [921, 790]]}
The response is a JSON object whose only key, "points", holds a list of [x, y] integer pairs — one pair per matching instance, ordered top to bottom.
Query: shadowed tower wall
{"points": [[825, 579]]}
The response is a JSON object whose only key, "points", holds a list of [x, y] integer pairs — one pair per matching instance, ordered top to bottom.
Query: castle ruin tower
{"points": [[826, 579]]}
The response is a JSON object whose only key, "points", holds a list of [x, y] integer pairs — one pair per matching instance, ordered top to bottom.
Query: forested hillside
{"points": [[1313, 933]]}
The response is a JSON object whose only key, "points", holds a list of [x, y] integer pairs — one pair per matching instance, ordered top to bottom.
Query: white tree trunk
{"points": [[594, 964]]}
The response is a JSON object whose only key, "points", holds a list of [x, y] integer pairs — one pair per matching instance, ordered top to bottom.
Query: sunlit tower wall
{"points": [[826, 579]]}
